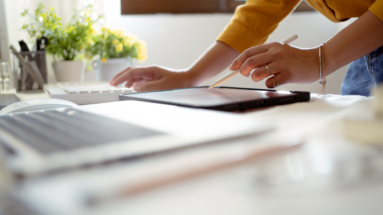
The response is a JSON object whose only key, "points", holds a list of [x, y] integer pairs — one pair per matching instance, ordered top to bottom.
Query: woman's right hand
{"points": [[152, 78]]}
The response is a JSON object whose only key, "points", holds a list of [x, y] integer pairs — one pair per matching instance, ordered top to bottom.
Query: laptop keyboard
{"points": [[67, 129]]}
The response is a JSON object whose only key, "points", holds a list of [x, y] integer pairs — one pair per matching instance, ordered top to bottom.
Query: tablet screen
{"points": [[208, 97]]}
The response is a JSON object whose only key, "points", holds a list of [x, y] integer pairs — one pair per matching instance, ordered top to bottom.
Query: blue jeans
{"points": [[363, 74]]}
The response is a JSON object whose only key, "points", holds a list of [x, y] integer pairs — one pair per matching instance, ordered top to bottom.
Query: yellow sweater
{"points": [[257, 19]]}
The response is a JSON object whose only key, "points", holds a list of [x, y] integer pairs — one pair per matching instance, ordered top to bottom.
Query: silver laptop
{"points": [[49, 140]]}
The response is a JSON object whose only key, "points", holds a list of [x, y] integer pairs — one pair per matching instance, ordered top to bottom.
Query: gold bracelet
{"points": [[322, 79]]}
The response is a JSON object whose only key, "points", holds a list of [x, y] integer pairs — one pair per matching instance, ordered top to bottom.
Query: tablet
{"points": [[220, 98]]}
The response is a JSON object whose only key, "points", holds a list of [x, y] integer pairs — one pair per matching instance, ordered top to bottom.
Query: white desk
{"points": [[329, 174]]}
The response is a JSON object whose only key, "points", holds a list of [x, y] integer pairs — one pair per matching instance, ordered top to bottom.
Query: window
{"points": [[186, 6]]}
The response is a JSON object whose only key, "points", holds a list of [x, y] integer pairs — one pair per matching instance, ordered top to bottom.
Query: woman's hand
{"points": [[213, 61], [288, 64], [152, 78]]}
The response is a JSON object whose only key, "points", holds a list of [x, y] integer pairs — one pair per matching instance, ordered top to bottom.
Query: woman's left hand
{"points": [[286, 63]]}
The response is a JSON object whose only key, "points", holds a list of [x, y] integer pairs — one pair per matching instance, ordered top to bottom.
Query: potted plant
{"points": [[65, 42], [116, 49]]}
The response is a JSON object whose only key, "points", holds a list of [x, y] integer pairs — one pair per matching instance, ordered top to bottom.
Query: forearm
{"points": [[356, 40], [217, 58]]}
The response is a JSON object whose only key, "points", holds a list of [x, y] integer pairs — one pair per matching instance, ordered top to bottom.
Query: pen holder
{"points": [[24, 81]]}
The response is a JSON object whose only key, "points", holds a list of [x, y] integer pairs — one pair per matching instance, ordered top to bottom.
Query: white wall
{"points": [[177, 40]]}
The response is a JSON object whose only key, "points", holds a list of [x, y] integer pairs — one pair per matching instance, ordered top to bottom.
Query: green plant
{"points": [[65, 42], [115, 44]]}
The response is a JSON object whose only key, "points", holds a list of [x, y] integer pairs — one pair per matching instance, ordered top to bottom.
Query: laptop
{"points": [[42, 141]]}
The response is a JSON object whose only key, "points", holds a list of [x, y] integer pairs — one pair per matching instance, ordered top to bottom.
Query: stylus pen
{"points": [[231, 74]]}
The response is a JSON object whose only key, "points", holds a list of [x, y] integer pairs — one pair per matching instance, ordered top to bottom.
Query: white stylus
{"points": [[231, 74]]}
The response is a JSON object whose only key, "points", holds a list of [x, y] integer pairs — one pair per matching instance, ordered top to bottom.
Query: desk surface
{"points": [[329, 174]]}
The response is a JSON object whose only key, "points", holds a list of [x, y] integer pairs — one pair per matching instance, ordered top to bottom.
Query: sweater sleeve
{"points": [[377, 9], [253, 22]]}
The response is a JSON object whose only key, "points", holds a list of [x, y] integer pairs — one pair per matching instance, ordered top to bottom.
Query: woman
{"points": [[238, 47]]}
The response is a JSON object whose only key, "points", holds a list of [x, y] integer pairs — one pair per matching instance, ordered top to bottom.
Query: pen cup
{"points": [[24, 81]]}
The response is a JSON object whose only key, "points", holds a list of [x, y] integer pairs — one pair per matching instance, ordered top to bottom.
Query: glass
{"points": [[5, 71], [1, 80]]}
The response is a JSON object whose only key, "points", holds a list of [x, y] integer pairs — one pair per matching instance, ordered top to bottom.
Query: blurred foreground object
{"points": [[368, 130], [328, 174]]}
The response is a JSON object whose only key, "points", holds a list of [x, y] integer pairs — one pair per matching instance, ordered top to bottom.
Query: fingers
{"points": [[246, 54], [254, 62], [261, 73], [119, 74], [132, 75], [277, 80], [132, 81], [148, 86]]}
